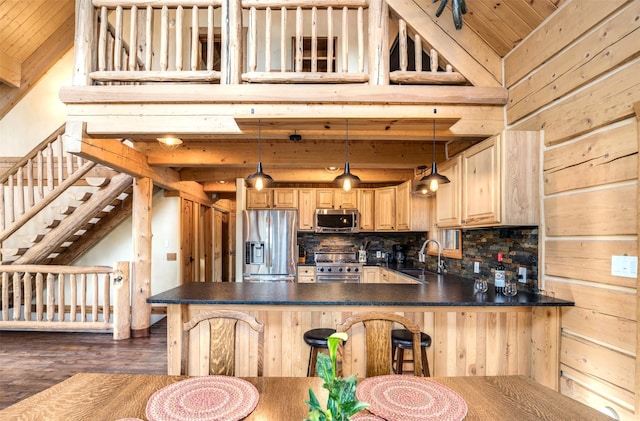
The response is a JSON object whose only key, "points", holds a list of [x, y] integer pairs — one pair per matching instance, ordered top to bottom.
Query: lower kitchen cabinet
{"points": [[306, 274], [370, 275]]}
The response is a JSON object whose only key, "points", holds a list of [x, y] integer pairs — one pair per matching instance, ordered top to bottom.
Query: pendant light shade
{"points": [[259, 179], [347, 180], [430, 183]]}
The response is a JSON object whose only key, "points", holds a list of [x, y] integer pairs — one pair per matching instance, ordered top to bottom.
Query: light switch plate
{"points": [[625, 266], [476, 267], [522, 275]]}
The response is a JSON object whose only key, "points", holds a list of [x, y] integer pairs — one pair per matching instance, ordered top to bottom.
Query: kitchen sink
{"points": [[416, 273]]}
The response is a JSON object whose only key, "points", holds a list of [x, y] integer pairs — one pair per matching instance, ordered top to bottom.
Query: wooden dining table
{"points": [[101, 396]]}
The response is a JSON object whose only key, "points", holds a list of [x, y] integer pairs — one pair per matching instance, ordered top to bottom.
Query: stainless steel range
{"points": [[334, 266]]}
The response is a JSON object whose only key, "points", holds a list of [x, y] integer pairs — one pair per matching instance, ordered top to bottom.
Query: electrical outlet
{"points": [[378, 254], [476, 267], [522, 275]]}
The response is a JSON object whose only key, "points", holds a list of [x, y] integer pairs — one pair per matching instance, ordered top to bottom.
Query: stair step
{"points": [[97, 181], [83, 197], [67, 210], [53, 223], [11, 252]]}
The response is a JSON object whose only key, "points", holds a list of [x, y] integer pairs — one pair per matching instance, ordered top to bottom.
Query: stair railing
{"points": [[37, 180], [66, 298]]}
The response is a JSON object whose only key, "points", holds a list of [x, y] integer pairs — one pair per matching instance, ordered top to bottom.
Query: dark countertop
{"points": [[437, 290]]}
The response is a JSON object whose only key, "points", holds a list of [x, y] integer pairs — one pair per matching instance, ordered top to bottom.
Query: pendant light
{"points": [[259, 179], [347, 180], [431, 182]]}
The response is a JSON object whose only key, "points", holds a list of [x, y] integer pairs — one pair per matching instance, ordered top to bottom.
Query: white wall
{"points": [[38, 114], [118, 245]]}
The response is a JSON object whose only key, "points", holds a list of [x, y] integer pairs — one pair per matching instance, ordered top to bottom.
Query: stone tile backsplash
{"points": [[519, 246]]}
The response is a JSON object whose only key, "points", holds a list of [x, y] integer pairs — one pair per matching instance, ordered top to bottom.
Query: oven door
{"points": [[333, 278]]}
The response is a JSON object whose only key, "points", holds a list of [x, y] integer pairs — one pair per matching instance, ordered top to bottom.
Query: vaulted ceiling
{"points": [[35, 33]]}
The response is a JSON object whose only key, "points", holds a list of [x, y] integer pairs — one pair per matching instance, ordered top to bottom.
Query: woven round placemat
{"points": [[207, 398], [410, 398]]}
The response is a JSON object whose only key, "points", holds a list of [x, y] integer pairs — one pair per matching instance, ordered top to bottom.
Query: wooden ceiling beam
{"points": [[254, 94], [299, 155], [123, 158], [211, 177]]}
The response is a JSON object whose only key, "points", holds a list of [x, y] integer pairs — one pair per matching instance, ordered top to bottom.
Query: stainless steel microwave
{"points": [[337, 220]]}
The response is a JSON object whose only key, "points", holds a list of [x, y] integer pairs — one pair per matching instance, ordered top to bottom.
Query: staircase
{"points": [[55, 206]]}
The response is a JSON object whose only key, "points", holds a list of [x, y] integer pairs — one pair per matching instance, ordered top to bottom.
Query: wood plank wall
{"points": [[576, 78]]}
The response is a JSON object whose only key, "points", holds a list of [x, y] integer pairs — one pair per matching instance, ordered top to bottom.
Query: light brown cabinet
{"points": [[500, 181], [449, 196], [285, 198], [262, 199], [272, 199], [336, 199], [366, 208], [306, 209], [412, 211], [385, 216], [306, 274], [370, 275]]}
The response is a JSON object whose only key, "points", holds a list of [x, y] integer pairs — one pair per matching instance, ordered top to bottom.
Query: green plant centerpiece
{"points": [[342, 402]]}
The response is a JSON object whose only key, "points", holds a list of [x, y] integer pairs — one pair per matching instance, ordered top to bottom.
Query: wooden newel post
{"points": [[84, 42], [378, 42], [141, 232], [121, 301]]}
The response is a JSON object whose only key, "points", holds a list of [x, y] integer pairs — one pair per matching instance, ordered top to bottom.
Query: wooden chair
{"points": [[378, 326], [222, 337]]}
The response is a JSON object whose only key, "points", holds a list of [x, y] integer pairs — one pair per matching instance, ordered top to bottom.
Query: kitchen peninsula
{"points": [[473, 334]]}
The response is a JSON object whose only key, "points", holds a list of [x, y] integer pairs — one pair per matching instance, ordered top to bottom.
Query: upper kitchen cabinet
{"points": [[500, 181], [449, 195], [262, 199], [272, 199], [336, 199], [366, 208], [306, 209], [412, 211], [385, 215]]}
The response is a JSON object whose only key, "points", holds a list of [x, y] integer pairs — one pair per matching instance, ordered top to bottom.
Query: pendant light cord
{"points": [[347, 139], [259, 140], [434, 140]]}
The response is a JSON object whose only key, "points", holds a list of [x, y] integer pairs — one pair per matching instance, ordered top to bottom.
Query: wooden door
{"points": [[187, 242], [217, 246]]}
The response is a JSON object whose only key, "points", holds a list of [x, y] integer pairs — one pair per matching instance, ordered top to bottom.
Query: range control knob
{"points": [[321, 269], [328, 269], [348, 269], [355, 269], [340, 270]]}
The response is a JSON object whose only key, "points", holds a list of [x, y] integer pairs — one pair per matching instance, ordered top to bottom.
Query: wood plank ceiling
{"points": [[25, 26]]}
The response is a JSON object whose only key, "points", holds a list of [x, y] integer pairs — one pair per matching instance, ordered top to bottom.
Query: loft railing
{"points": [[261, 41], [66, 298]]}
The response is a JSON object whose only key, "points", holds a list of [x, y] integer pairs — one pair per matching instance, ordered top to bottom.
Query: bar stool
{"points": [[316, 339], [402, 339]]}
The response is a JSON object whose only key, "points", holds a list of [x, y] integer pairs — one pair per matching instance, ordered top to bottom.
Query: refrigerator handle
{"points": [[269, 253]]}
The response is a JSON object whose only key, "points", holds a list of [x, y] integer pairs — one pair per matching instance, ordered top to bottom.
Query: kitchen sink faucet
{"points": [[421, 253]]}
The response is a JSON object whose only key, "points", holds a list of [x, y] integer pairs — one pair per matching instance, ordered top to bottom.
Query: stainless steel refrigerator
{"points": [[270, 245]]}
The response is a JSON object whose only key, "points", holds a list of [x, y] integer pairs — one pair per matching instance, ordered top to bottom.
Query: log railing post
{"points": [[378, 42], [83, 43], [231, 54], [142, 208], [121, 301]]}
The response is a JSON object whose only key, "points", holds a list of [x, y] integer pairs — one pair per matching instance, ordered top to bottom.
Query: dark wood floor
{"points": [[33, 361]]}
